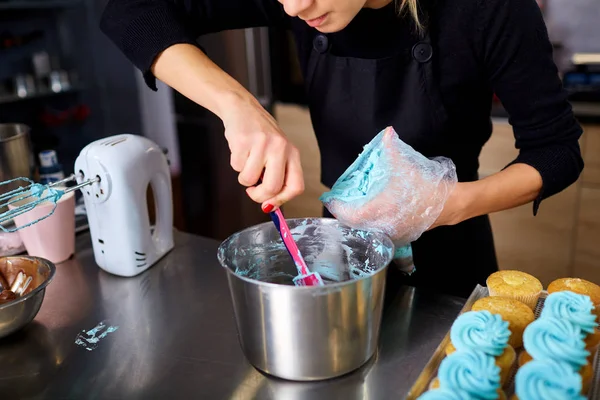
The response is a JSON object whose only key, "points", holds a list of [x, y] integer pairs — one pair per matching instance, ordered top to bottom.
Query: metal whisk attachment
{"points": [[25, 198]]}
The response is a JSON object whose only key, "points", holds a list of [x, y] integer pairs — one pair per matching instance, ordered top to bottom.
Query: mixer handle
{"points": [[164, 207]]}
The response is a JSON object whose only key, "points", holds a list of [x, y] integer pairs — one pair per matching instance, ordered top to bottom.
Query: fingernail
{"points": [[268, 208]]}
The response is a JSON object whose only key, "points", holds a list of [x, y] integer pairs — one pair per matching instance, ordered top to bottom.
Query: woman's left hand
{"points": [[399, 192]]}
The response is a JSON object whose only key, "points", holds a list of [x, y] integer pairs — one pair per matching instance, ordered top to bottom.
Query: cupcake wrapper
{"points": [[529, 300]]}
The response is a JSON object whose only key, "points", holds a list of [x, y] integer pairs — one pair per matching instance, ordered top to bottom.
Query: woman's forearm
{"points": [[188, 70], [258, 146], [512, 187]]}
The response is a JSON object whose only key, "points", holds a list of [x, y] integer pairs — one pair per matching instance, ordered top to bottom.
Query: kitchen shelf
{"points": [[37, 4], [15, 99]]}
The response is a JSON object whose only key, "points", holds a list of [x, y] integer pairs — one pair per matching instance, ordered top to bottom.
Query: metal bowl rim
{"points": [[382, 236], [38, 289]]}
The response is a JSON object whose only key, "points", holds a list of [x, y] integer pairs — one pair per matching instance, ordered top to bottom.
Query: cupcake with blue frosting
{"points": [[577, 309], [486, 332], [553, 339], [472, 371], [586, 372], [547, 380], [435, 384]]}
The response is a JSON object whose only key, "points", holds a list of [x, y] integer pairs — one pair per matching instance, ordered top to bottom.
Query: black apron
{"points": [[350, 101]]}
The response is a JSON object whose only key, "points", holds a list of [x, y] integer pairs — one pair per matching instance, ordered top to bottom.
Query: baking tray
{"points": [[421, 385]]}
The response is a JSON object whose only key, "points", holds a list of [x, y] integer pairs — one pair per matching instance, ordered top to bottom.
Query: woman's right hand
{"points": [[257, 144], [261, 151]]}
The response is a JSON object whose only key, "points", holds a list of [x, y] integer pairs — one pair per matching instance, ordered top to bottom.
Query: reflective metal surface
{"points": [[16, 157], [18, 313], [307, 333], [177, 338]]}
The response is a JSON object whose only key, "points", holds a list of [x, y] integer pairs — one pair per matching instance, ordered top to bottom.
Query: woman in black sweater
{"points": [[429, 68]]}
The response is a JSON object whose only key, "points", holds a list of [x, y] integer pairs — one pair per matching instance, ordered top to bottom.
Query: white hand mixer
{"points": [[113, 175]]}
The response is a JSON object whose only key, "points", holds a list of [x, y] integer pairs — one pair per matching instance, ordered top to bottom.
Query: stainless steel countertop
{"points": [[177, 338]]}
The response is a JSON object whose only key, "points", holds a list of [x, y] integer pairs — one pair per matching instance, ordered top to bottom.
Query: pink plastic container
{"points": [[54, 237]]}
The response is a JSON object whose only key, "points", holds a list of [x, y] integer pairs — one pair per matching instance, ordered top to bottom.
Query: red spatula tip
{"points": [[312, 279]]}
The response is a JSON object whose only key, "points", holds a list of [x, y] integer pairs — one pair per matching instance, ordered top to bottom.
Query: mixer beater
{"points": [[26, 198]]}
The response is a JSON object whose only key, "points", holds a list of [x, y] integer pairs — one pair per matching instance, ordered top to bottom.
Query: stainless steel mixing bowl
{"points": [[20, 312], [307, 333]]}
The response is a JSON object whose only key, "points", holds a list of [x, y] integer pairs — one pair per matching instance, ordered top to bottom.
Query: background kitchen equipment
{"points": [[47, 77], [16, 158], [20, 312], [307, 333]]}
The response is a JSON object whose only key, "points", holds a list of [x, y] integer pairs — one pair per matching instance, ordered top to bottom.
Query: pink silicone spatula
{"points": [[305, 277]]}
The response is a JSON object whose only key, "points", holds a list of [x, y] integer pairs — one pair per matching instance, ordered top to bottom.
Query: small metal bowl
{"points": [[18, 313]]}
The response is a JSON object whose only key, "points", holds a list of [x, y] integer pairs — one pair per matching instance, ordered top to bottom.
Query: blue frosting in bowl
{"points": [[575, 308], [480, 330], [556, 339], [472, 371], [548, 380]]}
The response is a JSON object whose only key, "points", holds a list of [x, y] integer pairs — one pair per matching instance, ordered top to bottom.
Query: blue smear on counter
{"points": [[89, 340]]}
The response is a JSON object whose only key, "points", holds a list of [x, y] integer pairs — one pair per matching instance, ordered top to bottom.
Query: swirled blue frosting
{"points": [[575, 308], [480, 330], [556, 339], [472, 371], [548, 380], [445, 394]]}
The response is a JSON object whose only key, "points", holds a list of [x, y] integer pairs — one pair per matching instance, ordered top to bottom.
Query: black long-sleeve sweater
{"points": [[482, 46]]}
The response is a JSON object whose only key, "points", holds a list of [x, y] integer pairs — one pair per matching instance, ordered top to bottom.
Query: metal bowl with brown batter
{"points": [[17, 312]]}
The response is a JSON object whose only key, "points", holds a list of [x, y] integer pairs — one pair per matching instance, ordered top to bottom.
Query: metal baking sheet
{"points": [[421, 385]]}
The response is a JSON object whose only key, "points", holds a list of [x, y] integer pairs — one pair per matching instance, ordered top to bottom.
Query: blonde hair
{"points": [[412, 8]]}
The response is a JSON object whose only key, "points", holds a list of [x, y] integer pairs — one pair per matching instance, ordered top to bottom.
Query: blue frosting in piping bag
{"points": [[365, 178]]}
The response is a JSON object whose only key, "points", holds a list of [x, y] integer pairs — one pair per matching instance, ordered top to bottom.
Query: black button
{"points": [[321, 43], [422, 52]]}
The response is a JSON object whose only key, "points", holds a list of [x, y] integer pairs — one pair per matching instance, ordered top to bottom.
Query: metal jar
{"points": [[16, 157], [307, 333]]}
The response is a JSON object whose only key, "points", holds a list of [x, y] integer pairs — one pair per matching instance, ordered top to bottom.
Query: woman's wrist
{"points": [[230, 101], [458, 205]]}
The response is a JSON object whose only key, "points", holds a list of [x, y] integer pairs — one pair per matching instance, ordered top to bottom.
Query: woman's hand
{"points": [[257, 144], [268, 164], [393, 189]]}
